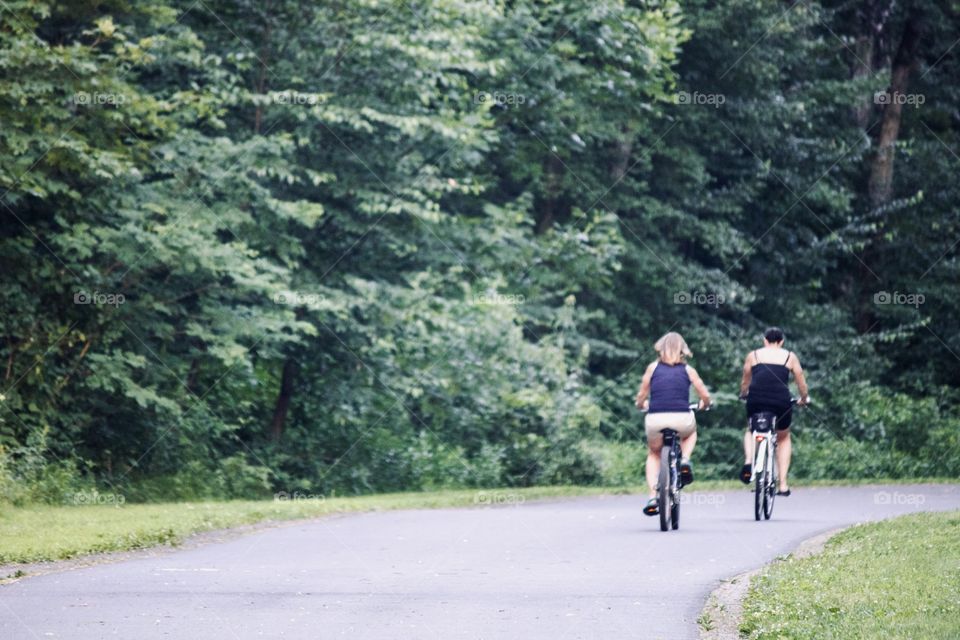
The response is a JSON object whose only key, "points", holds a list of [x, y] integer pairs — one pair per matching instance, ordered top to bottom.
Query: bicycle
{"points": [[763, 426], [668, 482]]}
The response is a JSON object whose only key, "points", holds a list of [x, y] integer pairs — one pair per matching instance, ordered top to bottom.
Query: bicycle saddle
{"points": [[762, 421]]}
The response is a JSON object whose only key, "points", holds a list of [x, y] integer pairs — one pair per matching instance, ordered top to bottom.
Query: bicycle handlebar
{"points": [[793, 401], [693, 406]]}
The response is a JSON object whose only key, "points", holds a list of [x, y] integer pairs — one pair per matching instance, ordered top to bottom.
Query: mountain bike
{"points": [[668, 482]]}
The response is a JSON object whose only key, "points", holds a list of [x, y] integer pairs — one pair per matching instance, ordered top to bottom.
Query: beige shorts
{"points": [[683, 422]]}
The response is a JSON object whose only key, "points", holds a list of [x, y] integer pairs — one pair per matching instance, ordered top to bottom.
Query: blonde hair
{"points": [[672, 348]]}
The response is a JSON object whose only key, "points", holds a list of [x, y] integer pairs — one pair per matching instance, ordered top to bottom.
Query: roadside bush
{"points": [[820, 455], [619, 463], [433, 464], [28, 476], [232, 478]]}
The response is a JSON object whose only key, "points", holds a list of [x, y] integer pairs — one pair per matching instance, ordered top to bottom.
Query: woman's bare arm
{"points": [[747, 375], [800, 378], [699, 387], [644, 391]]}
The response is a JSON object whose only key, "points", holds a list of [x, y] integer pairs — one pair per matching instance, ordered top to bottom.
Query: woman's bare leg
{"points": [[687, 444], [784, 451], [653, 467]]}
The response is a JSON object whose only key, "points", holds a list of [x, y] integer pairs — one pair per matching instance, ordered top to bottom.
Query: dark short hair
{"points": [[773, 334]]}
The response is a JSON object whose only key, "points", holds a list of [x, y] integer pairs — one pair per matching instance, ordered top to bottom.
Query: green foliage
{"points": [[378, 246], [27, 475], [233, 477]]}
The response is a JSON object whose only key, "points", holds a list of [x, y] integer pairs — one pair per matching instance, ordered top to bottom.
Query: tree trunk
{"points": [[870, 20], [863, 68], [262, 73], [622, 153], [880, 182], [880, 185], [551, 194], [10, 358], [192, 374], [283, 399]]}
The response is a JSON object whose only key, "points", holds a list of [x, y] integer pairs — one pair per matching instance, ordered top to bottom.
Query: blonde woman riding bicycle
{"points": [[665, 395]]}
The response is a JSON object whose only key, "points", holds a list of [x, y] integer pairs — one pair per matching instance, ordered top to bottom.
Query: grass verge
{"points": [[38, 533], [893, 579]]}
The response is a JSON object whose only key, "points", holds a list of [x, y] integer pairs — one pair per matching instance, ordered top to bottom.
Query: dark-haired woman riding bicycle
{"points": [[766, 386]]}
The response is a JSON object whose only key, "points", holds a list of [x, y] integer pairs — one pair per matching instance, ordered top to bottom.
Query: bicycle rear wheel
{"points": [[664, 488]]}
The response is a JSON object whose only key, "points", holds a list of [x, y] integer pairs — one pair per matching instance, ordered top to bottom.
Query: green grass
{"points": [[45, 532], [893, 579]]}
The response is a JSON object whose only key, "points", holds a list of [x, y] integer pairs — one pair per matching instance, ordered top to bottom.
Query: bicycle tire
{"points": [[771, 486], [675, 487], [664, 488], [759, 488]]}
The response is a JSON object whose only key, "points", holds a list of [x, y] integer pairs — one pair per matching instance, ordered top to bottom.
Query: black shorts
{"points": [[784, 413]]}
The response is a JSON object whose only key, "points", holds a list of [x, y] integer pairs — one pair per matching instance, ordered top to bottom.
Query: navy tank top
{"points": [[769, 384], [669, 389]]}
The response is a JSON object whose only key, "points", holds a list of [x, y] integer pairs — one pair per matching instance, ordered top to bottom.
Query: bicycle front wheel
{"points": [[760, 479], [664, 481], [771, 487]]}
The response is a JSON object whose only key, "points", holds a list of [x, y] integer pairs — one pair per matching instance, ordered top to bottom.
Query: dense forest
{"points": [[261, 245]]}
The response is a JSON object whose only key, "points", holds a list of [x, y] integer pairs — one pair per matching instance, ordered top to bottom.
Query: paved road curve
{"points": [[585, 568]]}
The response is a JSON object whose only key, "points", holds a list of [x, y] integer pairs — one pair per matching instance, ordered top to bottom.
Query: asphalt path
{"points": [[564, 570]]}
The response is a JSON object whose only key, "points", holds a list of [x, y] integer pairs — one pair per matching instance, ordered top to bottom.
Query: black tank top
{"points": [[769, 383]]}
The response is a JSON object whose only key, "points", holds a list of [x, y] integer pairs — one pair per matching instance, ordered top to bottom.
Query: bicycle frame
{"points": [[765, 449], [764, 473], [668, 485]]}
